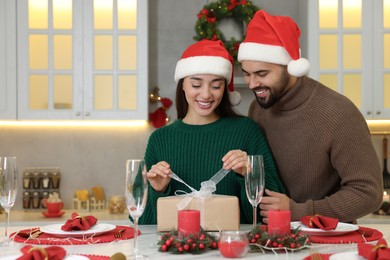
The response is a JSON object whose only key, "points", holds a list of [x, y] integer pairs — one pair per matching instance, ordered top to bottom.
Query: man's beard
{"points": [[275, 93]]}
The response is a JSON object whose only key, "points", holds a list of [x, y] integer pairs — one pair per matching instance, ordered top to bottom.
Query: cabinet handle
{"points": [[368, 112], [378, 112], [78, 113], [86, 113]]}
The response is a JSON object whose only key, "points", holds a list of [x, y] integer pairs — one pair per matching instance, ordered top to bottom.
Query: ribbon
{"points": [[206, 188]]}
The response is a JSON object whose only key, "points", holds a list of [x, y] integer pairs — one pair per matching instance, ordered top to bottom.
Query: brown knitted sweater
{"points": [[323, 149]]}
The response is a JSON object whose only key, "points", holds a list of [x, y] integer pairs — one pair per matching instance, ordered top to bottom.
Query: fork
{"points": [[119, 233], [314, 255]]}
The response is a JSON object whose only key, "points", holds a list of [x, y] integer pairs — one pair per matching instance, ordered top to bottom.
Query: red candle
{"points": [[188, 222], [279, 222], [233, 249]]}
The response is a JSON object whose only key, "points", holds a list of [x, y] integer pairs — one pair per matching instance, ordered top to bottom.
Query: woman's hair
{"points": [[224, 109]]}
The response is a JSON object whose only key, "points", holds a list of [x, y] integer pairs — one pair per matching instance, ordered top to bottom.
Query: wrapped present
{"points": [[218, 212]]}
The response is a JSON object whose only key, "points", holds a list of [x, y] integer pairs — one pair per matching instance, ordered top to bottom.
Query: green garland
{"points": [[206, 26], [258, 238]]}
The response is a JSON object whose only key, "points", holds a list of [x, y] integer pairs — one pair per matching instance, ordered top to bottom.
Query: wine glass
{"points": [[254, 182], [8, 190], [136, 195]]}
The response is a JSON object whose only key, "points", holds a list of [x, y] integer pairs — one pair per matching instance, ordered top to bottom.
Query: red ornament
{"points": [[159, 117]]}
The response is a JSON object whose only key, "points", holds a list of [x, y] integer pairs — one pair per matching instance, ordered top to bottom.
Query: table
{"points": [[149, 238]]}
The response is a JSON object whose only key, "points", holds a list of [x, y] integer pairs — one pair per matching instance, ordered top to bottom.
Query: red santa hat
{"points": [[274, 39], [208, 57]]}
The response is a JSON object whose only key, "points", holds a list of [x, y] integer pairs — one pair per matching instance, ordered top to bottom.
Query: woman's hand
{"points": [[235, 160], [158, 176], [273, 201]]}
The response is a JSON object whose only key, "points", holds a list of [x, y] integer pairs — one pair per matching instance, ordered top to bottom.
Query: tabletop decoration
{"points": [[78, 222], [188, 222], [279, 222], [321, 222], [362, 235], [48, 239], [260, 239], [176, 243], [373, 252], [37, 253]]}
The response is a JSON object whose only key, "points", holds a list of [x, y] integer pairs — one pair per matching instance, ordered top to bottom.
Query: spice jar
{"points": [[26, 180], [35, 180], [45, 180], [55, 180], [45, 195], [26, 199], [35, 200]]}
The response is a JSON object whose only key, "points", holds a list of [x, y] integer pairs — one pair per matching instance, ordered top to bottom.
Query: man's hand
{"points": [[274, 201]]}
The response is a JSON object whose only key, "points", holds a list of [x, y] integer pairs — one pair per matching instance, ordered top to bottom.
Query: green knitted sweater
{"points": [[195, 153]]}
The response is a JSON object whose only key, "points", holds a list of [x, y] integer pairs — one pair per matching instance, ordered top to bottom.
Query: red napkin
{"points": [[318, 221], [79, 223], [380, 251], [41, 253]]}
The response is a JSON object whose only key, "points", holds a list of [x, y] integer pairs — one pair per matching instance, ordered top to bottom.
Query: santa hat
{"points": [[274, 39], [208, 57]]}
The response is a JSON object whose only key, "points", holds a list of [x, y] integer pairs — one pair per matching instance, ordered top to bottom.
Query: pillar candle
{"points": [[386, 197], [188, 222], [279, 222]]}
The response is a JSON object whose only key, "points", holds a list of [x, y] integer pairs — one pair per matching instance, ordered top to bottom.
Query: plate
{"points": [[51, 215], [342, 228], [96, 230], [346, 256], [68, 257]]}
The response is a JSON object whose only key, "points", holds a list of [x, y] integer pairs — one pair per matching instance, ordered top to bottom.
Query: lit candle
{"points": [[386, 197], [188, 222], [279, 222]]}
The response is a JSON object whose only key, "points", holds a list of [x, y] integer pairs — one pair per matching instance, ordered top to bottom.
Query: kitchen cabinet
{"points": [[349, 51], [82, 59], [7, 60]]}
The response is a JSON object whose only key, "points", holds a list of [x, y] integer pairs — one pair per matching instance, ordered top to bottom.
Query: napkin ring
{"points": [[378, 247], [42, 250]]}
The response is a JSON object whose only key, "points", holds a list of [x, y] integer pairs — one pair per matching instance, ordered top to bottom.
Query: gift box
{"points": [[219, 212]]}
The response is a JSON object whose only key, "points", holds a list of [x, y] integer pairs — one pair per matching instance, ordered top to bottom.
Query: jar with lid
{"points": [[26, 180], [35, 180], [45, 180], [55, 180], [26, 200], [35, 200]]}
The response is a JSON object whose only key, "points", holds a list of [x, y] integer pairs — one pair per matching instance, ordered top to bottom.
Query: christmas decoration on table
{"points": [[206, 26], [159, 117], [260, 239], [181, 244]]}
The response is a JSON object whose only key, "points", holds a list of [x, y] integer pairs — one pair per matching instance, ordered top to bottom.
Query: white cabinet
{"points": [[349, 51], [7, 59], [82, 59]]}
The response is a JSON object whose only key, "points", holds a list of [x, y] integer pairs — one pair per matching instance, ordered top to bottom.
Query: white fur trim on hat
{"points": [[263, 52], [203, 65], [298, 68], [235, 98]]}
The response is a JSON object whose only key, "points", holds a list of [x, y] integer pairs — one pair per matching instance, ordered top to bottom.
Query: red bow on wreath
{"points": [[159, 117]]}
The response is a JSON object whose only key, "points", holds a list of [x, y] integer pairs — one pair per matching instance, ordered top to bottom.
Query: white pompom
{"points": [[298, 68], [235, 98]]}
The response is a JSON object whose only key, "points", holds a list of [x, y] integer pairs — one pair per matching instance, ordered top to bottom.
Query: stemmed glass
{"points": [[254, 182], [8, 190], [136, 193]]}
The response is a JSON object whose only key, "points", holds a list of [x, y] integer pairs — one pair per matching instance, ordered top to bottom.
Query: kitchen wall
{"points": [[90, 156]]}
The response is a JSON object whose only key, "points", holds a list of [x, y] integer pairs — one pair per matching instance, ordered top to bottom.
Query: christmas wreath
{"points": [[206, 26], [259, 240]]}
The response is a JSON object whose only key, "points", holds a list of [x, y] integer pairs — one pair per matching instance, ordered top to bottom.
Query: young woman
{"points": [[208, 135]]}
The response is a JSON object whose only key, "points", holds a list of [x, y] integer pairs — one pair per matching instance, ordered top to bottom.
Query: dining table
{"points": [[149, 238]]}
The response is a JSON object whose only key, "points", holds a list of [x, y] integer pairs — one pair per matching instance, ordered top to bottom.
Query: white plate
{"points": [[342, 228], [97, 229], [346, 256], [68, 257]]}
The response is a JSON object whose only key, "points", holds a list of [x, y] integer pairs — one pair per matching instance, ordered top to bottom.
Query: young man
{"points": [[319, 139]]}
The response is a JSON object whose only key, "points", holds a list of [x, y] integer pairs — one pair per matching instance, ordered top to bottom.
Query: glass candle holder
{"points": [[233, 244]]}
